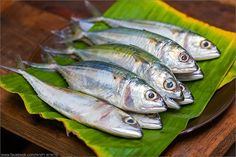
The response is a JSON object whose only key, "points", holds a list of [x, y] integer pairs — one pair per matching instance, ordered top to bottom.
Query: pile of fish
{"points": [[129, 73]]}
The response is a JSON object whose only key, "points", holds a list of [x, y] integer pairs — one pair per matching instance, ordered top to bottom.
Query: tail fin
{"points": [[92, 9], [85, 25], [69, 34], [68, 51], [46, 57], [19, 63], [20, 66], [48, 67], [11, 69]]}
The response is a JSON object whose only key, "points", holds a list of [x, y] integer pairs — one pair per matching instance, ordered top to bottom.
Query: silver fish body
{"points": [[199, 47], [169, 52], [136, 60], [114, 84], [85, 109]]}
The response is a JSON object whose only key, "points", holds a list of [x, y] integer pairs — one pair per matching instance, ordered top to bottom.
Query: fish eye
{"points": [[205, 44], [183, 57], [170, 84], [150, 95], [129, 120]]}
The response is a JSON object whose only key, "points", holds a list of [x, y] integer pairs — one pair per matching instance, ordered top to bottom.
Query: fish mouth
{"points": [[208, 56], [184, 70], [196, 75], [178, 96], [188, 99], [171, 103], [154, 109], [148, 125], [128, 133]]}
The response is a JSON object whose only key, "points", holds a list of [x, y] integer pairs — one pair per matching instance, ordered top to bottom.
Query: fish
{"points": [[198, 46], [170, 53], [134, 59], [114, 84], [84, 108], [150, 121]]}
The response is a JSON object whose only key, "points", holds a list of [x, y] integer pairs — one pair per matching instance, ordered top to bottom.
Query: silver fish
{"points": [[199, 47], [169, 52], [136, 60], [114, 84], [83, 108], [151, 121]]}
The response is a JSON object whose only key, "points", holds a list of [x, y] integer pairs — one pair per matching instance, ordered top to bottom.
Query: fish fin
{"points": [[92, 9], [85, 25], [63, 33], [69, 34], [68, 51], [55, 52], [46, 57], [19, 63], [47, 67], [171, 103]]}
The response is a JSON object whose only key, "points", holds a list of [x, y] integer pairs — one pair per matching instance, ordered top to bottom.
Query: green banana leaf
{"points": [[230, 75], [154, 141]]}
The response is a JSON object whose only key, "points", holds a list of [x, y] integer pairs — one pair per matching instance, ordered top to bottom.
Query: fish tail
{"points": [[92, 9], [85, 25], [63, 33], [69, 34], [68, 51], [46, 57], [19, 63], [20, 66], [48, 67], [11, 69]]}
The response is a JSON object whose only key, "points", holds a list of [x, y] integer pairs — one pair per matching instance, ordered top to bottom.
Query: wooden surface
{"points": [[26, 24]]}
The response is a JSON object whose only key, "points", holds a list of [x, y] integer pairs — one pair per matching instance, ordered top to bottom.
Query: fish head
{"points": [[201, 48], [177, 58], [163, 80], [188, 97], [142, 98], [125, 125]]}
